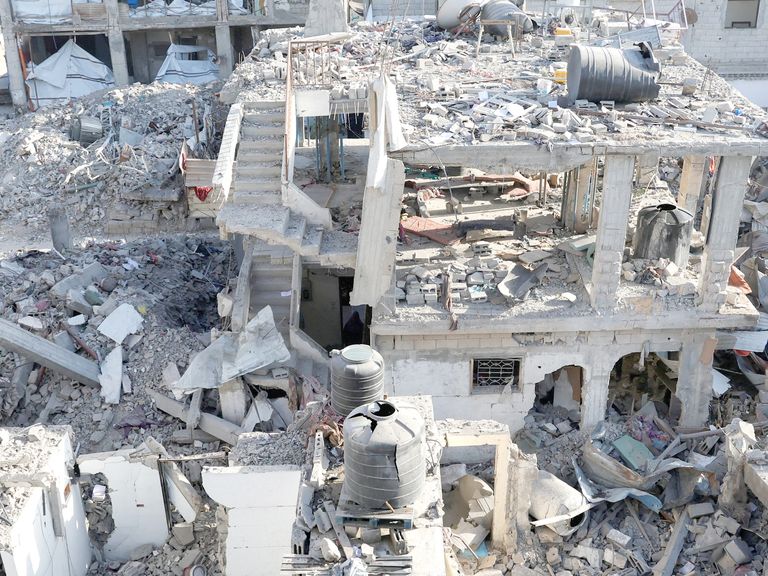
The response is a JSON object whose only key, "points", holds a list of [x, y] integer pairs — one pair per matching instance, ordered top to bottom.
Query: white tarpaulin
{"points": [[179, 68], [70, 73]]}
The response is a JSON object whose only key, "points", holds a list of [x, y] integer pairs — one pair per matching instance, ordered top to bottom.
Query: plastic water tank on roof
{"points": [[357, 377], [384, 456]]}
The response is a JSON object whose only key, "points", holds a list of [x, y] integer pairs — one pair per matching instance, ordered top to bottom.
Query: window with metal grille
{"points": [[488, 373]]}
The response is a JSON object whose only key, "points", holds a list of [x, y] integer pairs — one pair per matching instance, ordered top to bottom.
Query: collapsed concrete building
{"points": [[539, 232], [540, 283]]}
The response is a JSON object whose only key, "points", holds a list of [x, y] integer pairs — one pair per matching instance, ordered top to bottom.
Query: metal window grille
{"points": [[496, 372]]}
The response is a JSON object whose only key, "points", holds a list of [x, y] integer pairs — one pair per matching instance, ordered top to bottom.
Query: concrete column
{"points": [[116, 44], [224, 51], [12, 59], [647, 169], [690, 183], [730, 187], [611, 229], [694, 381], [594, 393]]}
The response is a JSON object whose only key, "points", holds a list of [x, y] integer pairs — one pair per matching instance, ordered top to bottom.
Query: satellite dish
{"points": [[691, 16]]}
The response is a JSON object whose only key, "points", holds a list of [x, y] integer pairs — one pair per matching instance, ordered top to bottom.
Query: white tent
{"points": [[179, 66], [70, 73]]}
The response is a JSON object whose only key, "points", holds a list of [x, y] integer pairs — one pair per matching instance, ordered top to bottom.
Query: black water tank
{"points": [[622, 75], [663, 231], [384, 456]]}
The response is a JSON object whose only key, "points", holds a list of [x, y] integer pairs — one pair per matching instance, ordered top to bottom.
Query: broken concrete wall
{"points": [[377, 242], [440, 365], [251, 494], [138, 506], [33, 546]]}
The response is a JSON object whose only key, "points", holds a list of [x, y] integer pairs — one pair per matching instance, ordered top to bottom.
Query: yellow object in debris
{"points": [[562, 31], [561, 75]]}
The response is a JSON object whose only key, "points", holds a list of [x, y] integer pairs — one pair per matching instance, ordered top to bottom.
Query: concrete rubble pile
{"points": [[121, 169], [143, 303], [649, 498]]}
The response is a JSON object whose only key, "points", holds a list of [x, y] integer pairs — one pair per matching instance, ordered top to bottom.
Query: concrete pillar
{"points": [[116, 44], [224, 51], [140, 55], [12, 59], [647, 169], [690, 183], [730, 187], [611, 229], [694, 381], [594, 393]]}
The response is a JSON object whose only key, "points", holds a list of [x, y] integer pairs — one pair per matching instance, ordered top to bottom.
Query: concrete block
{"points": [[415, 299], [123, 321], [111, 377], [701, 509], [184, 533], [618, 538], [739, 551], [614, 558]]}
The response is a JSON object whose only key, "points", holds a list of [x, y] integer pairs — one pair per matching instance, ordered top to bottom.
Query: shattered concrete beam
{"points": [[242, 305], [48, 354], [209, 423], [666, 565]]}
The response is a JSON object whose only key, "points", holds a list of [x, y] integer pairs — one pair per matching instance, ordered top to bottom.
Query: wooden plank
{"points": [[48, 354]]}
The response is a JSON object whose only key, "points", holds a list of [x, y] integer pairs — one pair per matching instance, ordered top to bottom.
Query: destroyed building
{"points": [[136, 41], [481, 283], [481, 294]]}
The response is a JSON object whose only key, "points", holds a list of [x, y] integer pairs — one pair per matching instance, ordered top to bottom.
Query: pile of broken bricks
{"points": [[84, 340], [688, 503]]}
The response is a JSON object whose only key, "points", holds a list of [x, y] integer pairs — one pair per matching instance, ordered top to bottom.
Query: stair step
{"points": [[264, 105], [276, 116], [253, 130], [271, 145], [274, 156], [250, 170], [273, 185], [258, 198], [265, 222], [266, 270], [270, 285], [273, 297]]}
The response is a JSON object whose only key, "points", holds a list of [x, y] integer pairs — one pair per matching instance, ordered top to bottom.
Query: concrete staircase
{"points": [[260, 155], [255, 205], [271, 279], [271, 285]]}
